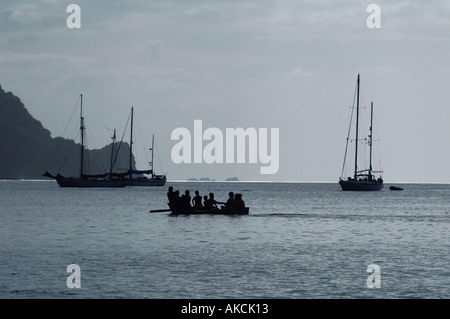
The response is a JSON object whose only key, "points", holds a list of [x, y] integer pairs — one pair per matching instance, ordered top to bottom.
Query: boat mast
{"points": [[357, 123], [82, 137], [370, 141], [131, 143], [153, 145], [112, 153]]}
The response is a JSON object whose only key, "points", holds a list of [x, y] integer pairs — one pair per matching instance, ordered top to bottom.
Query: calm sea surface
{"points": [[300, 240]]}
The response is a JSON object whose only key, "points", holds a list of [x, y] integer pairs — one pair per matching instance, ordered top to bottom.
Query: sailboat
{"points": [[137, 177], [83, 179], [362, 179]]}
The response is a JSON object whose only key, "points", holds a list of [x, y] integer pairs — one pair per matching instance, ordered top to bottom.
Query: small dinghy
{"points": [[395, 188]]}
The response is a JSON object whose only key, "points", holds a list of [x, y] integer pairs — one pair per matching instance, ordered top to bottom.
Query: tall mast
{"points": [[357, 123], [82, 137], [370, 141], [131, 142], [153, 147], [112, 153]]}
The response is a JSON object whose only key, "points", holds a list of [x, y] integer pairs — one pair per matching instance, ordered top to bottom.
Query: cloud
{"points": [[43, 69], [297, 72]]}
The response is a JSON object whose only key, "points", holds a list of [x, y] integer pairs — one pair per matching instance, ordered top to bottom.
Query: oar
{"points": [[160, 210]]}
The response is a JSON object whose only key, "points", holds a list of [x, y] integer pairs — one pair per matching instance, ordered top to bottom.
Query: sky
{"points": [[286, 65]]}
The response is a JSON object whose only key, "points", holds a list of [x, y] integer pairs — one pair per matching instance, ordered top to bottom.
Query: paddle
{"points": [[159, 210]]}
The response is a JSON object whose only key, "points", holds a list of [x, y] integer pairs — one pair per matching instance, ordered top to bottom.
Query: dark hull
{"points": [[77, 182], [146, 182], [361, 185], [199, 211]]}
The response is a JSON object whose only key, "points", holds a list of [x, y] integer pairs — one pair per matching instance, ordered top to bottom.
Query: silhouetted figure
{"points": [[171, 195], [186, 200], [197, 200], [205, 200], [176, 201], [231, 202], [211, 203], [240, 205]]}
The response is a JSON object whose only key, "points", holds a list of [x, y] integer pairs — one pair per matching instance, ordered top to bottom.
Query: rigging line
{"points": [[92, 110], [98, 118], [75, 133], [63, 134], [90, 134], [348, 134], [136, 137], [377, 139], [121, 140], [87, 152], [146, 155], [379, 157], [65, 159], [159, 160], [96, 163]]}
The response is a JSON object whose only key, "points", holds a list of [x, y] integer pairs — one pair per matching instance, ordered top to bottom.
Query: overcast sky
{"points": [[281, 64]]}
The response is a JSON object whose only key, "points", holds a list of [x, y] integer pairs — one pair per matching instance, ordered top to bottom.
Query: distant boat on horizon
{"points": [[362, 179]]}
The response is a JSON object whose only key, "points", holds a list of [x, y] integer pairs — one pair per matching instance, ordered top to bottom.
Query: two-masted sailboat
{"points": [[130, 177], [83, 179], [362, 179]]}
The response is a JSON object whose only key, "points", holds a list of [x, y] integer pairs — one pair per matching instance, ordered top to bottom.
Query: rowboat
{"points": [[203, 211]]}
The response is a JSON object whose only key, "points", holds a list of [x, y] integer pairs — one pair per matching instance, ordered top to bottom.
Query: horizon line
{"points": [[224, 181], [287, 181]]}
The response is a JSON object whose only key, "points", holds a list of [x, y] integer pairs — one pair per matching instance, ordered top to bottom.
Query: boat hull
{"points": [[77, 182], [146, 182], [361, 185], [200, 211]]}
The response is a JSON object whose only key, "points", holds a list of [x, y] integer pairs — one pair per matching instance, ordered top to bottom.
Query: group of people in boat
{"points": [[186, 202]]}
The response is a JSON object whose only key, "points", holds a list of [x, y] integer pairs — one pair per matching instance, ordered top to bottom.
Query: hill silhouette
{"points": [[27, 149]]}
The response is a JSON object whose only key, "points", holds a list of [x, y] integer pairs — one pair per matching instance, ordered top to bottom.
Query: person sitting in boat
{"points": [[170, 194], [173, 197], [176, 200], [186, 200], [197, 200], [205, 200], [231, 202], [211, 203], [240, 205]]}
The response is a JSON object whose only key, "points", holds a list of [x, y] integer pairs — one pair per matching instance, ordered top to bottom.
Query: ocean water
{"points": [[300, 241]]}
